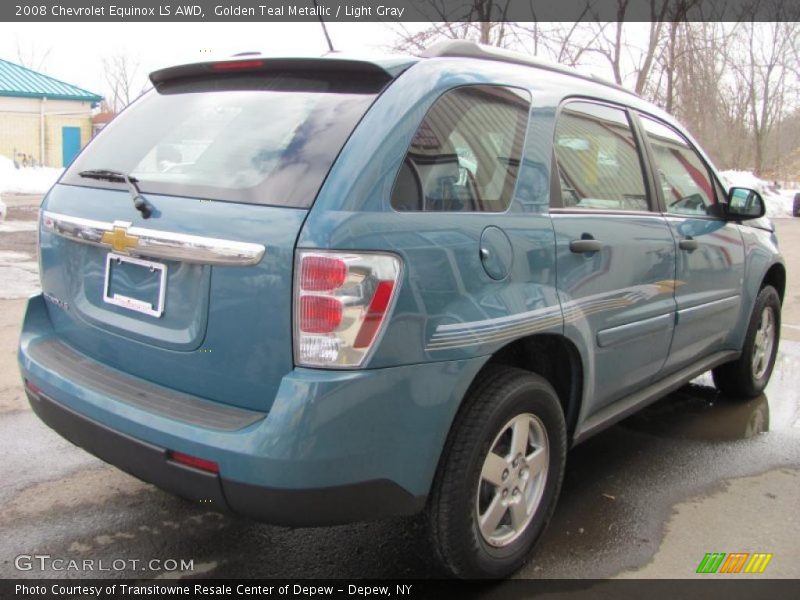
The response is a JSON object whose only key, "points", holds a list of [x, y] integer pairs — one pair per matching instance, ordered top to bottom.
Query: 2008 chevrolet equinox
{"points": [[319, 290]]}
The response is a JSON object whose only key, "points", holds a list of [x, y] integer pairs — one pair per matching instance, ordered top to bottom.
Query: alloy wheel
{"points": [[763, 343], [512, 480]]}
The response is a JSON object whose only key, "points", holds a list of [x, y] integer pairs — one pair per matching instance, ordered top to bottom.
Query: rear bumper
{"points": [[335, 446], [306, 507]]}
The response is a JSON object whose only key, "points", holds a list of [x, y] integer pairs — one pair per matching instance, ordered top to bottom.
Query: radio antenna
{"points": [[324, 28]]}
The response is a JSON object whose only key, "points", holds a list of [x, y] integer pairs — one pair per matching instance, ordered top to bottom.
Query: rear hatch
{"points": [[227, 159]]}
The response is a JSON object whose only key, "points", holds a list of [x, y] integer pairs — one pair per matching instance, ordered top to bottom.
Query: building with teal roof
{"points": [[43, 121]]}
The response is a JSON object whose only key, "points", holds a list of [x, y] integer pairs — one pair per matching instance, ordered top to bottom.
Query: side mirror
{"points": [[744, 204]]}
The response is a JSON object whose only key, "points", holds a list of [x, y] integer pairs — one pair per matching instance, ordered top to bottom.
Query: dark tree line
{"points": [[735, 85]]}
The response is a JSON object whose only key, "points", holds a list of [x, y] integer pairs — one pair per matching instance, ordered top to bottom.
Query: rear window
{"points": [[266, 138]]}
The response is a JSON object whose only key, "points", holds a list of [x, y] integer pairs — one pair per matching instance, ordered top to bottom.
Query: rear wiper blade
{"points": [[108, 174], [139, 201]]}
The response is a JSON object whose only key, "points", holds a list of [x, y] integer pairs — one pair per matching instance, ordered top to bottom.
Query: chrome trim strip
{"points": [[604, 212], [153, 243]]}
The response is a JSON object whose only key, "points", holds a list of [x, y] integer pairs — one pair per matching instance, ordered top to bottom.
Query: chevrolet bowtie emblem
{"points": [[118, 238]]}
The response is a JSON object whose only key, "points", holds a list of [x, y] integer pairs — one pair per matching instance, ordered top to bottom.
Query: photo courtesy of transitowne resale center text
{"points": [[409, 299]]}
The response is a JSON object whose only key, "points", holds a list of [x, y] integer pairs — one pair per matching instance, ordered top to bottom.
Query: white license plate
{"points": [[135, 284]]}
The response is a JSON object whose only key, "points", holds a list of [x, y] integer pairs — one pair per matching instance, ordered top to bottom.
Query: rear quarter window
{"points": [[465, 155]]}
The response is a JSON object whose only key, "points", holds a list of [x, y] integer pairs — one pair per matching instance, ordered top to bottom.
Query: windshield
{"points": [[266, 139]]}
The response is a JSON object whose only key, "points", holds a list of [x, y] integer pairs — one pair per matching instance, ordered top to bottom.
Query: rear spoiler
{"points": [[386, 70]]}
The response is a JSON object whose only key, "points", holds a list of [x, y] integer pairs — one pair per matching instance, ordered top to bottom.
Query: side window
{"points": [[466, 153], [598, 160], [685, 184]]}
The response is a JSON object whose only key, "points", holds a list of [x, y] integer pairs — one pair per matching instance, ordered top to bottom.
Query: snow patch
{"points": [[26, 180], [779, 202], [3, 210], [15, 226], [7, 256], [19, 273], [18, 283]]}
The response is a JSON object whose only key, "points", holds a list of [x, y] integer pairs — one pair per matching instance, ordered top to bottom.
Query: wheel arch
{"points": [[776, 277], [551, 356], [556, 359]]}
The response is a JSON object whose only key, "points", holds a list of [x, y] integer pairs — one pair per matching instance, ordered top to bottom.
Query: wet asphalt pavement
{"points": [[616, 513]]}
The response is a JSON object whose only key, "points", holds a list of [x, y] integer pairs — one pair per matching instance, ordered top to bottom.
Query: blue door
{"points": [[70, 144], [710, 251], [615, 254]]}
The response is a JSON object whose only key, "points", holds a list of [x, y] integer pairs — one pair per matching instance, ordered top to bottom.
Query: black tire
{"points": [[738, 379], [498, 396]]}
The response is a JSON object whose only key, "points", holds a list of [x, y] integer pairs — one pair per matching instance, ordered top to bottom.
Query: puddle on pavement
{"points": [[698, 411]]}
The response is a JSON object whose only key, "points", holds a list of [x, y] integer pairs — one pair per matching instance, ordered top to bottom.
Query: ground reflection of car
{"points": [[312, 291]]}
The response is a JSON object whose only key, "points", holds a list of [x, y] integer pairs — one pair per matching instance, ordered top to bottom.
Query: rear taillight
{"points": [[322, 273], [341, 302], [375, 312], [320, 314]]}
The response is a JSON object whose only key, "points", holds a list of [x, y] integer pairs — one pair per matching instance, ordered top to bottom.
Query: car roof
{"points": [[467, 49]]}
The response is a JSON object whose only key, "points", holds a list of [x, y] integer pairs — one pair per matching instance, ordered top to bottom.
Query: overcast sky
{"points": [[76, 50]]}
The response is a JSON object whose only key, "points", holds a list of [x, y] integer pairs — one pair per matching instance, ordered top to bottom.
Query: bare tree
{"points": [[468, 20], [562, 42], [611, 42], [32, 57], [764, 75], [123, 79], [734, 84], [697, 87]]}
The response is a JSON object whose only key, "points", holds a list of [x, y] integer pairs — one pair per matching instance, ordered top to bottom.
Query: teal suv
{"points": [[318, 290]]}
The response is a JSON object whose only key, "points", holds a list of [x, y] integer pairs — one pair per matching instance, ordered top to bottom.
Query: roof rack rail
{"points": [[468, 49]]}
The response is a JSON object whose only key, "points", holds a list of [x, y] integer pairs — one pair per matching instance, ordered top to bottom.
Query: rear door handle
{"points": [[688, 244], [585, 246]]}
